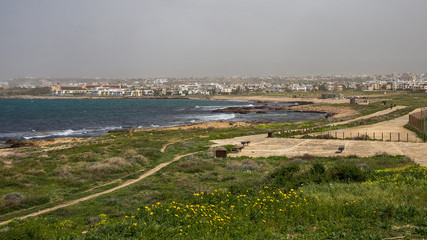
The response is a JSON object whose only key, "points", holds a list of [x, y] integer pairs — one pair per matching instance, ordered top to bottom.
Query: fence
{"points": [[418, 119], [353, 135], [378, 136]]}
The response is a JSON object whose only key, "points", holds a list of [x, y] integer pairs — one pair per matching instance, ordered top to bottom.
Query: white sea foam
{"points": [[222, 107], [217, 117], [65, 133]]}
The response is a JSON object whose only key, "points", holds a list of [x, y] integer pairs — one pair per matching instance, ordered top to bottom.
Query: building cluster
{"points": [[221, 86]]}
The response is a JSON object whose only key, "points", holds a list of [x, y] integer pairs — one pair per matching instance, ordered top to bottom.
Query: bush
{"points": [[325, 136], [229, 147], [307, 157], [194, 166], [318, 168], [347, 172], [285, 176], [13, 198]]}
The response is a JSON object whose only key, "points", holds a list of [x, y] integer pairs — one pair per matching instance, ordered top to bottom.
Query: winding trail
{"points": [[375, 114], [170, 143], [125, 184]]}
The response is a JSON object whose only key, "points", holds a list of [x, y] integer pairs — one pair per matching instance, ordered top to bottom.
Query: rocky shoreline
{"points": [[263, 107], [36, 142]]}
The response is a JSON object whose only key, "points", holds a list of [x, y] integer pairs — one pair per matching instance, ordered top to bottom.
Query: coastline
{"points": [[86, 97], [216, 97], [306, 104], [310, 105]]}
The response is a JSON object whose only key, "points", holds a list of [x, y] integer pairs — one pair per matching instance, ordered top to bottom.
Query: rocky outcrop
{"points": [[264, 108], [240, 110], [19, 143]]}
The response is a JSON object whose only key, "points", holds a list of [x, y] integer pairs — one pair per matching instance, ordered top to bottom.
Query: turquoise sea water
{"points": [[44, 118]]}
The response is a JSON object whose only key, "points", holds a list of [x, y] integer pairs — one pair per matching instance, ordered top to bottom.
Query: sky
{"points": [[202, 38]]}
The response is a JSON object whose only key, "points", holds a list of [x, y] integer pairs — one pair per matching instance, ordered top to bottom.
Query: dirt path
{"points": [[379, 113], [393, 129], [170, 143], [125, 184]]}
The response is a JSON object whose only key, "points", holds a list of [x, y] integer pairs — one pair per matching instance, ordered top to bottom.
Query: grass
{"points": [[415, 99], [50, 176], [237, 198]]}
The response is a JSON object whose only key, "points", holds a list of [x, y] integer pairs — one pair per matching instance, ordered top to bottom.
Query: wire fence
{"points": [[418, 120], [353, 135], [378, 136]]}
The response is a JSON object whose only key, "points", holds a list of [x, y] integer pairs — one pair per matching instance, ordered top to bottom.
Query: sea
{"points": [[34, 118]]}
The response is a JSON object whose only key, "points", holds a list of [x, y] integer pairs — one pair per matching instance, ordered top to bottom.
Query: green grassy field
{"points": [[203, 197], [251, 198]]}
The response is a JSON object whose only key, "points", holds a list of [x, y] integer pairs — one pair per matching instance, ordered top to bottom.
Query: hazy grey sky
{"points": [[141, 38]]}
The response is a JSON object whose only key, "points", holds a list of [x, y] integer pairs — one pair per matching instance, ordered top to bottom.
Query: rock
{"points": [[19, 143]]}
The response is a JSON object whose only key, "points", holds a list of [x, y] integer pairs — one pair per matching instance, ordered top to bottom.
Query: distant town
{"points": [[139, 87]]}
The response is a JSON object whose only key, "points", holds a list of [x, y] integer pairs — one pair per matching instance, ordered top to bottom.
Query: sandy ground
{"points": [[339, 111], [379, 113], [382, 131], [261, 146]]}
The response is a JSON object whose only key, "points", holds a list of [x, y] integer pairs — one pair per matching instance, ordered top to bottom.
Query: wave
{"points": [[222, 107], [217, 117], [60, 133]]}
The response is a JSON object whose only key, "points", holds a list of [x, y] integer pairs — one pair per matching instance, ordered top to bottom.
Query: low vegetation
{"points": [[203, 197], [303, 197]]}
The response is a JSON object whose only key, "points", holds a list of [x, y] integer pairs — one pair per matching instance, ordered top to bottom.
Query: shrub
{"points": [[306, 136], [324, 136], [229, 147], [130, 153], [307, 157], [139, 159], [109, 164], [194, 166], [318, 168], [347, 172], [318, 173], [285, 175], [13, 198]]}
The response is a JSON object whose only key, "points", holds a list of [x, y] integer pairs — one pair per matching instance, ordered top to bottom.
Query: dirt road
{"points": [[379, 113], [125, 184]]}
